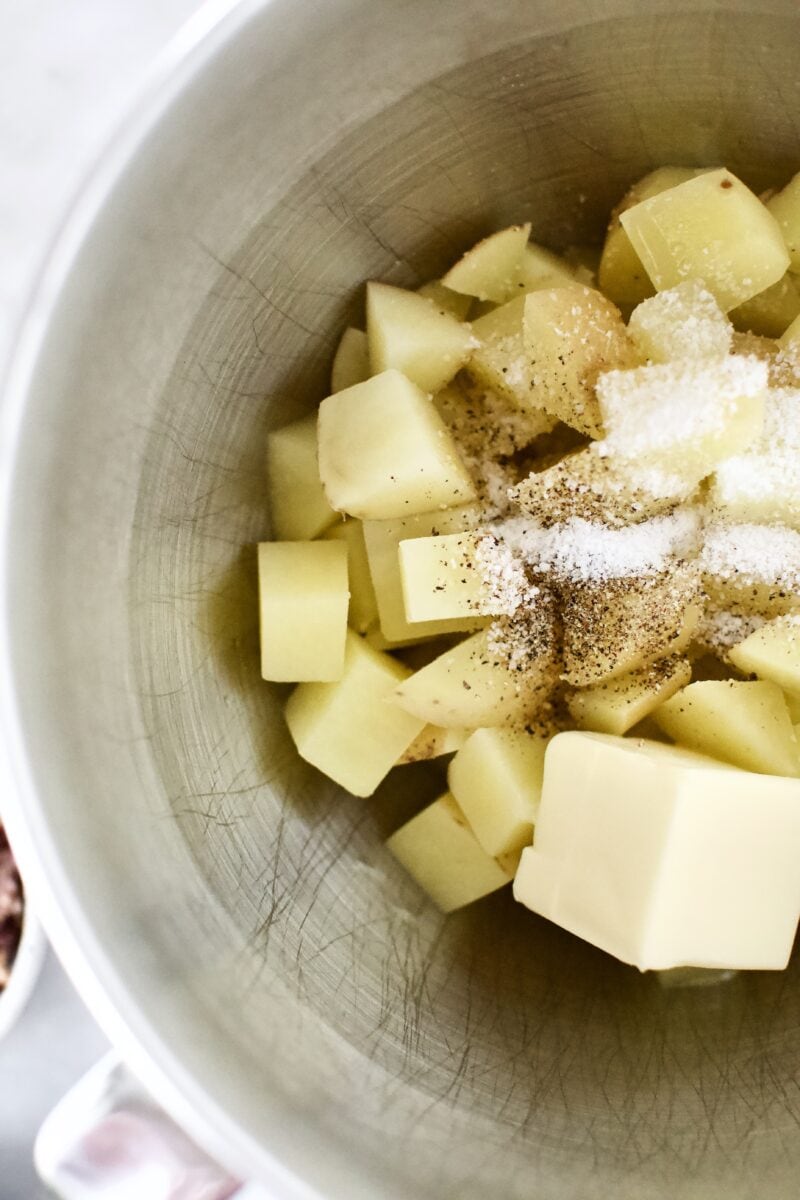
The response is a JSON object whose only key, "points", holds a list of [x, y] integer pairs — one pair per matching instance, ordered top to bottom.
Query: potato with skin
{"points": [[491, 269], [407, 332]]}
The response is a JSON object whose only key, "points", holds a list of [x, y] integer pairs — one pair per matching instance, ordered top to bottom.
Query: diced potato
{"points": [[785, 208], [711, 228], [584, 260], [541, 268], [491, 270], [621, 275], [451, 302], [771, 311], [681, 322], [408, 332], [792, 334], [570, 335], [351, 360], [500, 360], [683, 416], [384, 451], [763, 485], [588, 486], [297, 503], [382, 540], [751, 569], [441, 578], [302, 597], [363, 610], [622, 625], [772, 652], [472, 686], [619, 704], [793, 705], [746, 724], [351, 730], [433, 742], [496, 778], [440, 851], [662, 857]]}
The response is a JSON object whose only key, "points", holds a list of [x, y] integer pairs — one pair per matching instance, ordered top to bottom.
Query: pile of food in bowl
{"points": [[546, 529], [11, 909]]}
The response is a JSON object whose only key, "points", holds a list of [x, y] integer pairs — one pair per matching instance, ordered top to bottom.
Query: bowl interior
{"points": [[239, 910]]}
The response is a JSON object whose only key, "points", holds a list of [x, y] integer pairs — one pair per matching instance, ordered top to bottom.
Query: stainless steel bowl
{"points": [[235, 921]]}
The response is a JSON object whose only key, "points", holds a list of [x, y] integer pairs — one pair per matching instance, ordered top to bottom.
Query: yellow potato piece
{"points": [[785, 208], [712, 228], [541, 268], [491, 269], [621, 274], [451, 302], [770, 312], [679, 323], [409, 333], [571, 335], [791, 335], [351, 360], [500, 361], [384, 451], [762, 486], [297, 503], [751, 569], [441, 578], [302, 597], [363, 610], [772, 652], [471, 686], [619, 704], [746, 724], [351, 730], [433, 742], [496, 778], [441, 853]]}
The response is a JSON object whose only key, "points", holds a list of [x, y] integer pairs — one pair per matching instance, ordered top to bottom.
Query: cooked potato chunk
{"points": [[785, 208], [712, 228], [541, 268], [491, 270], [451, 302], [770, 312], [681, 322], [409, 333], [570, 335], [791, 335], [351, 361], [684, 416], [384, 451], [763, 484], [297, 502], [752, 569], [441, 578], [302, 595], [363, 610], [772, 652], [472, 686], [619, 704], [746, 724], [350, 729], [433, 742], [496, 778], [440, 851]]}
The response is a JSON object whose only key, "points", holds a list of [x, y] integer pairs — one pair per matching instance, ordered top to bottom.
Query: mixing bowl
{"points": [[281, 985]]}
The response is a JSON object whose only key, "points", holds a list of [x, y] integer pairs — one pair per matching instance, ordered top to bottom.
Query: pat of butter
{"points": [[664, 857]]}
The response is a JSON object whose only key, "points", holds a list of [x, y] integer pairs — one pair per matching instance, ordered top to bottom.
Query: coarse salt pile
{"points": [[752, 555]]}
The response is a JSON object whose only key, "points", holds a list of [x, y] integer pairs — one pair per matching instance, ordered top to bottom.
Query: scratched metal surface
{"points": [[243, 905]]}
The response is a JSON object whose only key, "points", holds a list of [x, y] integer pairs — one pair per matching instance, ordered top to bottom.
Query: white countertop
{"points": [[68, 70]]}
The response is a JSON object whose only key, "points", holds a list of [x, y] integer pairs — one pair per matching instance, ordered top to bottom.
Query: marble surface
{"points": [[68, 71]]}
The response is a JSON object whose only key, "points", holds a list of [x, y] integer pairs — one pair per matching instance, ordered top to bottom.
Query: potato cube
{"points": [[785, 208], [712, 228], [541, 268], [491, 270], [621, 274], [451, 302], [770, 312], [682, 322], [408, 332], [570, 335], [791, 335], [351, 360], [500, 360], [683, 416], [384, 451], [763, 484], [297, 503], [382, 539], [752, 569], [441, 578], [302, 598], [363, 610], [773, 653], [472, 685], [618, 704], [793, 705], [746, 724], [351, 730], [433, 742], [496, 778], [440, 852], [664, 858]]}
